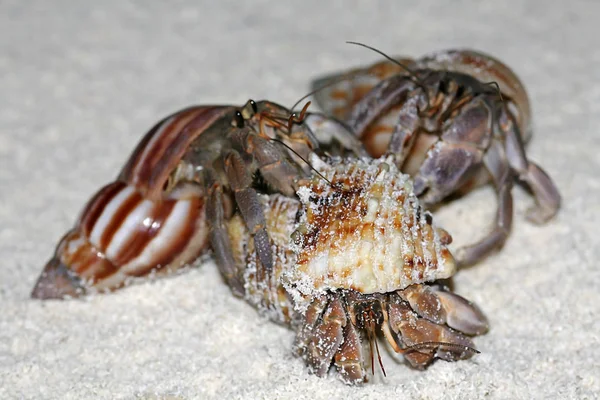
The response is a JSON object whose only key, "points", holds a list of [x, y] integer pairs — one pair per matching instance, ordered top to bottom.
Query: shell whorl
{"points": [[161, 149], [131, 227], [366, 232], [122, 235]]}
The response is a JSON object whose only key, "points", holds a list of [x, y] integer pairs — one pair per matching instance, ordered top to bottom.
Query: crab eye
{"points": [[443, 86], [254, 106], [249, 110], [238, 120]]}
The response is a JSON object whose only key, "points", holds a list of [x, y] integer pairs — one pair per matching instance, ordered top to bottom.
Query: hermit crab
{"points": [[453, 120], [173, 195], [300, 224], [355, 257]]}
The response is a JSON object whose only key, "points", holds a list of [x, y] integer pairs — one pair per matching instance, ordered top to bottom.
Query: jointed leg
{"points": [[383, 96], [405, 131], [457, 155], [273, 164], [496, 164], [240, 179], [544, 190], [220, 240], [443, 307], [309, 321], [321, 337], [424, 340], [349, 357]]}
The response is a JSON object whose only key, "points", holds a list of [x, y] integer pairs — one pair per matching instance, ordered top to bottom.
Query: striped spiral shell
{"points": [[131, 228], [121, 235]]}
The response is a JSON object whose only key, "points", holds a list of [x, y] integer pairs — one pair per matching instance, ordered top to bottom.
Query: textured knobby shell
{"points": [[365, 232]]}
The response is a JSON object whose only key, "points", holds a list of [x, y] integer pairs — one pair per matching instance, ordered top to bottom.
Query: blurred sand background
{"points": [[81, 82]]}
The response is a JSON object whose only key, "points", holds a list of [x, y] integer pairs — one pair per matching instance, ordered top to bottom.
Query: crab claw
{"points": [[57, 282], [441, 307], [462, 314], [327, 338], [426, 340], [451, 345]]}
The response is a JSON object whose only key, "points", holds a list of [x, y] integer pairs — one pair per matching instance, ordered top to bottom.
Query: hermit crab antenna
{"points": [[398, 63], [411, 74], [350, 77], [343, 78], [317, 90], [306, 96], [297, 119], [302, 158], [372, 337], [371, 351], [379, 358]]}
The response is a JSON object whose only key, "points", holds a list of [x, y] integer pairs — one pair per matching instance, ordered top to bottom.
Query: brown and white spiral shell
{"points": [[132, 227]]}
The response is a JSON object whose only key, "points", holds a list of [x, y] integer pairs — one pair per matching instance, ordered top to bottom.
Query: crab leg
{"points": [[386, 94], [405, 131], [459, 151], [495, 162], [274, 167], [544, 190], [247, 201], [220, 240], [442, 307], [309, 321], [327, 337], [438, 340], [349, 357]]}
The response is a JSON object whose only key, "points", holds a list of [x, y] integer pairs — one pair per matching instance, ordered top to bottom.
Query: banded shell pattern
{"points": [[132, 227], [121, 236], [351, 256]]}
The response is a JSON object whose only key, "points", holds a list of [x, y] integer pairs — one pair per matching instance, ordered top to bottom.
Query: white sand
{"points": [[80, 84]]}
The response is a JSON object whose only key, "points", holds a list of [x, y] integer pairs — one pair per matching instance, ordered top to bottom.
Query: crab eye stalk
{"points": [[249, 110], [238, 120]]}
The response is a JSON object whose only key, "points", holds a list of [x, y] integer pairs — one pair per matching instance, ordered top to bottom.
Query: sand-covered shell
{"points": [[365, 231]]}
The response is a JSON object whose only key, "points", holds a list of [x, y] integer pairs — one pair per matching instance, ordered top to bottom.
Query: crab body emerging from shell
{"points": [[453, 120], [367, 232], [354, 257], [336, 262]]}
